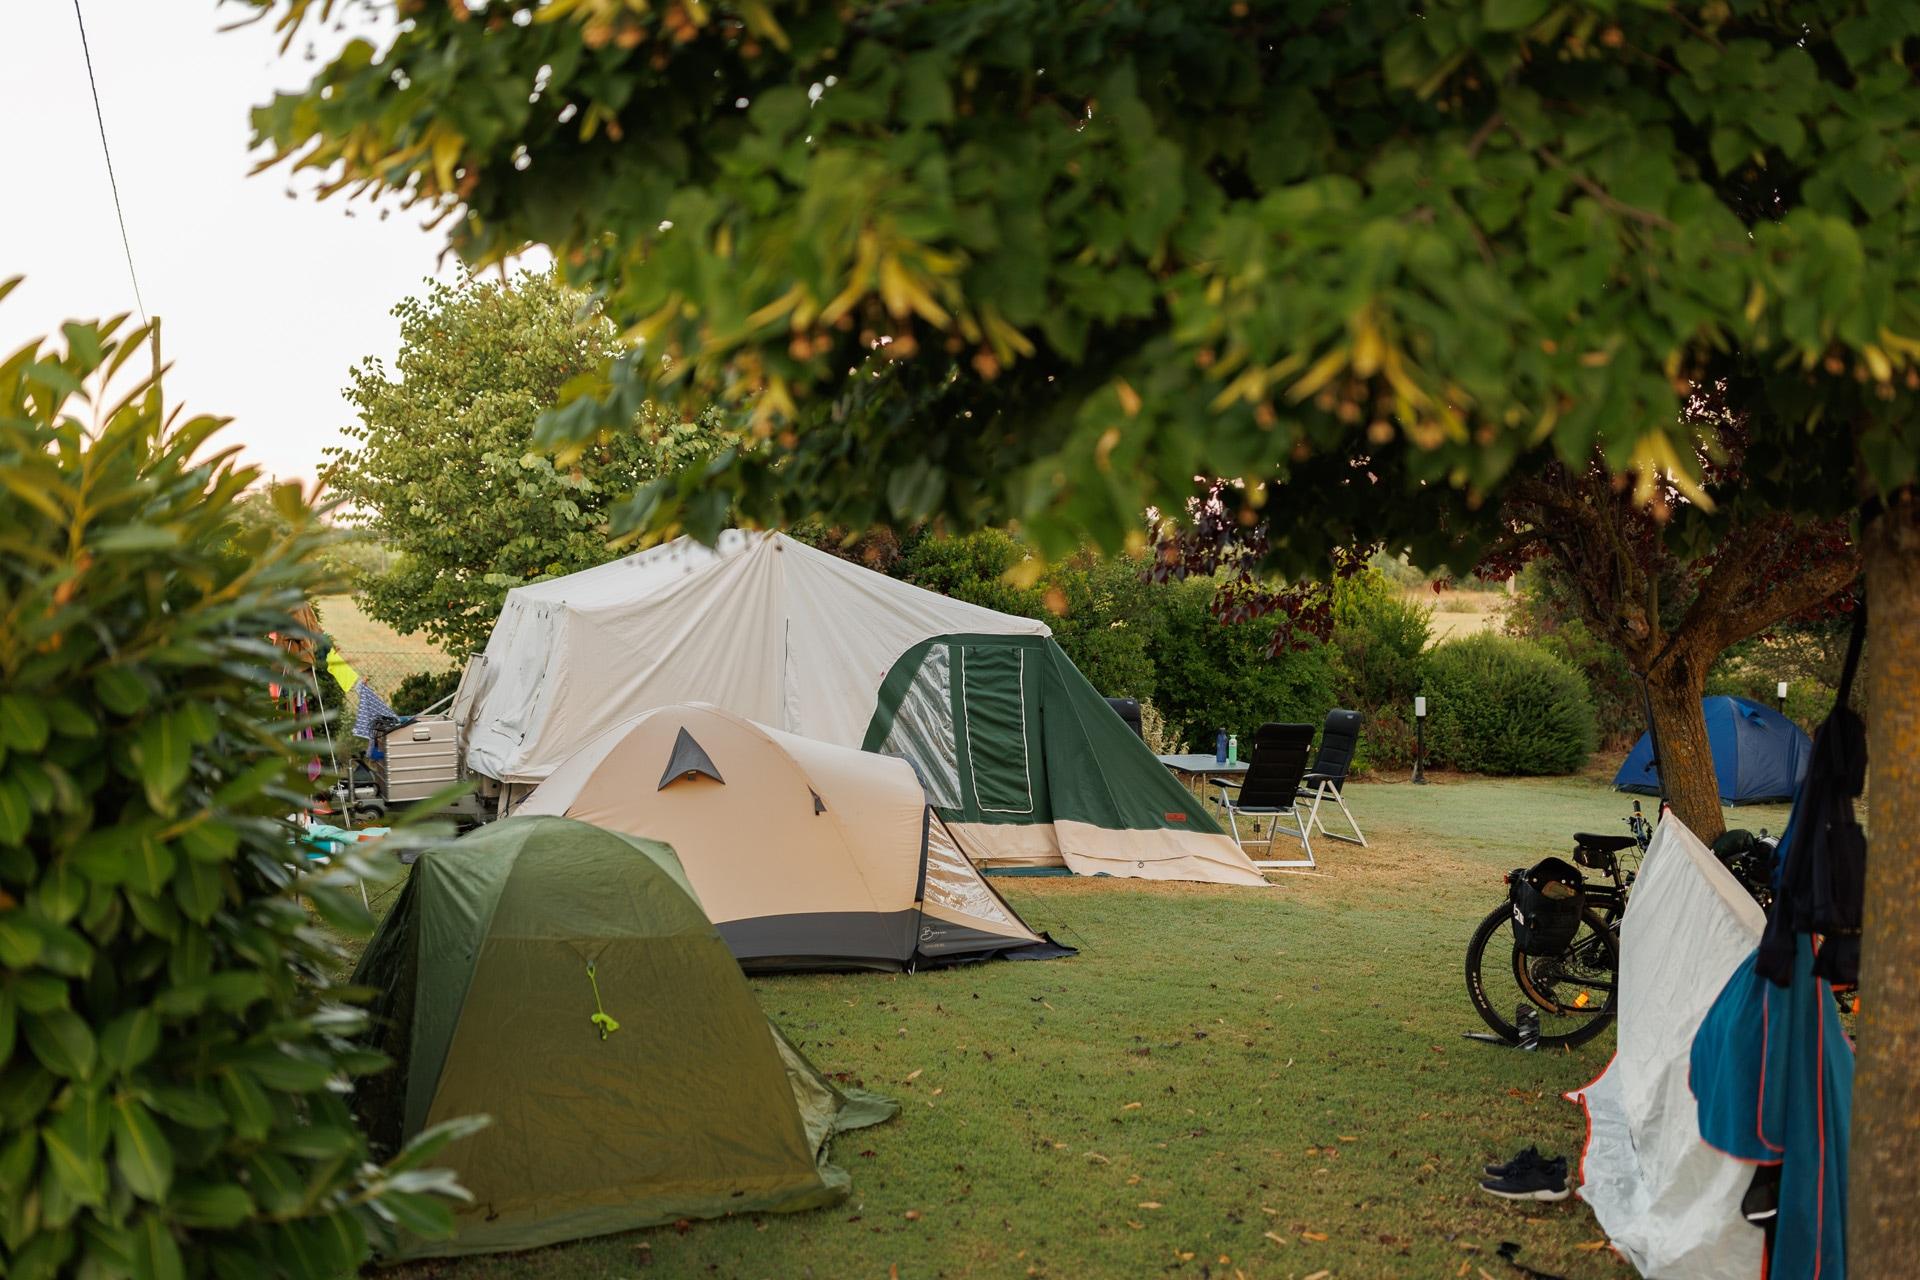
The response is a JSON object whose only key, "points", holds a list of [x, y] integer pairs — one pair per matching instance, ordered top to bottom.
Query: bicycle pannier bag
{"points": [[1547, 900]]}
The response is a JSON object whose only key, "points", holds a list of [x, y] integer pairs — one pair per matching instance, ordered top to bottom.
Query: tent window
{"points": [[993, 682], [922, 729], [952, 882]]}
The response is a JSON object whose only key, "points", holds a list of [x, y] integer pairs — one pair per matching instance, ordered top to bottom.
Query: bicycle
{"points": [[1570, 995]]}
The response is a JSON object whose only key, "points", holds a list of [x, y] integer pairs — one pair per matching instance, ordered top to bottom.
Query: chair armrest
{"points": [[1223, 783]]}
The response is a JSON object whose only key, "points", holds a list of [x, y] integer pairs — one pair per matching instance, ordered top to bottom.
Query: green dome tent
{"points": [[564, 981]]}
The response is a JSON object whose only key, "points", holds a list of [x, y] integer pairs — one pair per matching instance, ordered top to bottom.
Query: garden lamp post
{"points": [[1780, 692], [1419, 741]]}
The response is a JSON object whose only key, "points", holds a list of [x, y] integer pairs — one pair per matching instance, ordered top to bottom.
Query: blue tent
{"points": [[1758, 754]]}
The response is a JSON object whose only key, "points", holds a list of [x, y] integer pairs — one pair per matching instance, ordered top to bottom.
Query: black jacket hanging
{"points": [[1824, 852]]}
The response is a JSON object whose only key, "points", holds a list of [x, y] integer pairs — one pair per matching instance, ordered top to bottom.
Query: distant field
{"points": [[1461, 613], [377, 651]]}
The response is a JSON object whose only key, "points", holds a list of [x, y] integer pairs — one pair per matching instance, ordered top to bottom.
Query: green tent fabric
{"points": [[1029, 766], [679, 1100]]}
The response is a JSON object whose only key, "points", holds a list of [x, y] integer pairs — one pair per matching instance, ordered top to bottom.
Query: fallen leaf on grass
{"points": [[913, 1075], [938, 1092], [1131, 1106], [1348, 1137], [1097, 1157], [1133, 1179], [1150, 1204], [1271, 1213], [912, 1215], [1137, 1226], [1275, 1236], [1318, 1237], [1592, 1246], [1185, 1255], [1464, 1264], [1483, 1273], [1320, 1275]]}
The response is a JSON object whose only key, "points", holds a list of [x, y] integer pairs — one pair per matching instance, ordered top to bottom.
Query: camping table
{"points": [[1200, 768]]}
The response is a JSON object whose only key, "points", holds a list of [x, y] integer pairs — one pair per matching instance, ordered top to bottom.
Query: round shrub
{"points": [[1501, 705]]}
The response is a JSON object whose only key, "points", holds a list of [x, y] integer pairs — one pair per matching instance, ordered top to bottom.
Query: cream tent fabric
{"points": [[764, 626], [1021, 756], [804, 854], [1667, 1200]]}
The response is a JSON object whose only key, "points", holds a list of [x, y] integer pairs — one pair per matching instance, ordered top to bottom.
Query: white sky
{"points": [[266, 302]]}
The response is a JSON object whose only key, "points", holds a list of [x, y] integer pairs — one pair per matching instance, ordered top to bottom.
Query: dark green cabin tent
{"points": [[564, 981]]}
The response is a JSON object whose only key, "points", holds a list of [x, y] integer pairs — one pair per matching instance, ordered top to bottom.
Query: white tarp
{"points": [[764, 626], [1668, 1201]]}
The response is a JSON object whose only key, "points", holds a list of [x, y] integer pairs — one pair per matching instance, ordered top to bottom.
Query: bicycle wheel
{"points": [[1573, 992]]}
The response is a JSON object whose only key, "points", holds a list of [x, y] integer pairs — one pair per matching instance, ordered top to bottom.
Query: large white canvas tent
{"points": [[1024, 760], [805, 855], [1666, 1199]]}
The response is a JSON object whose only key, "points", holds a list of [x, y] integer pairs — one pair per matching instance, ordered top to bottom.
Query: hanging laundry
{"points": [[343, 673], [372, 713]]}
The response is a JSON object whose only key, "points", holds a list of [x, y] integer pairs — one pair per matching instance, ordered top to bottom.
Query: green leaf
{"points": [[1512, 15], [136, 537], [124, 692], [70, 720], [23, 725], [163, 751], [16, 812], [149, 866], [199, 889], [341, 908], [20, 942], [62, 950], [9, 1022], [129, 1040], [63, 1042], [248, 1105], [193, 1108], [430, 1141], [316, 1142], [76, 1143], [141, 1151], [19, 1157], [275, 1185], [211, 1205], [428, 1217], [155, 1254], [43, 1257]]}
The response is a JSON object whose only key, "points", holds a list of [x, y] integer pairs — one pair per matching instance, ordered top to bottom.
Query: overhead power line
{"points": [[100, 117]]}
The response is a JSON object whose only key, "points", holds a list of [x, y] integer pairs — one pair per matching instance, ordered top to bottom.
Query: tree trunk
{"points": [[1675, 686], [1883, 1185]]}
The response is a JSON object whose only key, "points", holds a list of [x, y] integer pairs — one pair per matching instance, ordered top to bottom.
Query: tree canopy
{"points": [[1047, 260], [441, 466]]}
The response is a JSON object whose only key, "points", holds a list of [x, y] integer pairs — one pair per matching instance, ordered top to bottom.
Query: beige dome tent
{"points": [[804, 854]]}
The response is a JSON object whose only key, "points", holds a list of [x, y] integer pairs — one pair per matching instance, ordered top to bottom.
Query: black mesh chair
{"points": [[1326, 780], [1271, 789]]}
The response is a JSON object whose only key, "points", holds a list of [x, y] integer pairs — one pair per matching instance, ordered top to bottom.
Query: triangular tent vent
{"points": [[688, 758]]}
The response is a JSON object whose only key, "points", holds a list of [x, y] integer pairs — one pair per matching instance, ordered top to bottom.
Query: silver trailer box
{"points": [[418, 759]]}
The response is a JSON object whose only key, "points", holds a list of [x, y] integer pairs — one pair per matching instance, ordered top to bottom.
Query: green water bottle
{"points": [[1233, 749]]}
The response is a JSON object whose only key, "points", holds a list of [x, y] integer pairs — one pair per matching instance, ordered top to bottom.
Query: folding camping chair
{"points": [[1339, 739], [1270, 788]]}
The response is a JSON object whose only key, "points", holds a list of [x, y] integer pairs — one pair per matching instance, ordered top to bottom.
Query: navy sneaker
{"points": [[1524, 1160], [1545, 1180]]}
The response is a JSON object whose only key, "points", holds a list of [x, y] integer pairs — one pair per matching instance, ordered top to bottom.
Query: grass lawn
{"points": [[1224, 1083]]}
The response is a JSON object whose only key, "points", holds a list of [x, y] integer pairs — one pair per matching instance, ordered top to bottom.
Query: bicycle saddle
{"points": [[1603, 844]]}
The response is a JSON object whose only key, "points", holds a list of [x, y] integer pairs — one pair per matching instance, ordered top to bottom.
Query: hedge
{"points": [[1501, 705]]}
